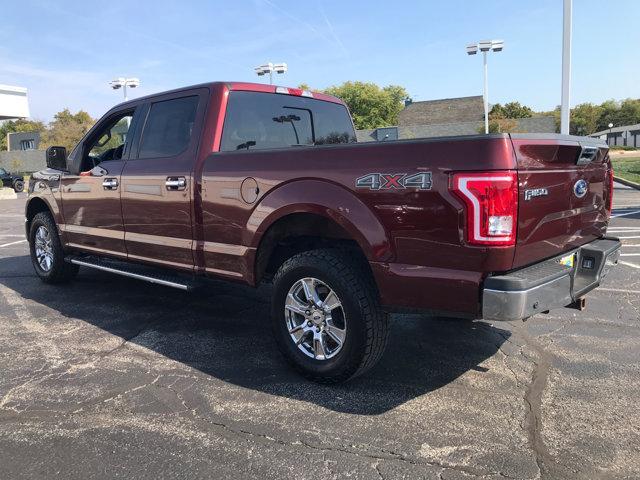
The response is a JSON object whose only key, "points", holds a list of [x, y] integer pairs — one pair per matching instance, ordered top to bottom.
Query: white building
{"points": [[13, 102]]}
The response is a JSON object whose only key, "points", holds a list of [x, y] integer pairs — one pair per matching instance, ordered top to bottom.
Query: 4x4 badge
{"points": [[397, 181]]}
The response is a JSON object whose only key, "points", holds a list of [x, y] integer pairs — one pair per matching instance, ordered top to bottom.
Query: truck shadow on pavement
{"points": [[225, 332]]}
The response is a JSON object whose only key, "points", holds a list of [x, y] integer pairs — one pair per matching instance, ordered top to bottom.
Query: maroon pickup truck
{"points": [[255, 183]]}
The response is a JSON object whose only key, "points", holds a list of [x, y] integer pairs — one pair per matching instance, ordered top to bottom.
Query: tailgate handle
{"points": [[587, 155]]}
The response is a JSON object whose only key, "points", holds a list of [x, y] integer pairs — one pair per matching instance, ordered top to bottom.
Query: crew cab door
{"points": [[157, 181], [91, 200]]}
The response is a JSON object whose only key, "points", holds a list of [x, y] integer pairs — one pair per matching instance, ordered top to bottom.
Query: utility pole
{"points": [[565, 110]]}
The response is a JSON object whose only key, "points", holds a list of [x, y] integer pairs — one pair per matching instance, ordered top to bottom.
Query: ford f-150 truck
{"points": [[254, 183]]}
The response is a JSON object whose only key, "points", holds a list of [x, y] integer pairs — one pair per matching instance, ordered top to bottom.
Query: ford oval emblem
{"points": [[580, 188]]}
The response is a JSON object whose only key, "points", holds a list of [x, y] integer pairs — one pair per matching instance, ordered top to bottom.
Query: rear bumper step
{"points": [[139, 272], [548, 284]]}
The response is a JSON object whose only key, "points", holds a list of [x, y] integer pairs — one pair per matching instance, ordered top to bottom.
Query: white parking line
{"points": [[624, 214], [622, 238], [12, 243], [630, 254], [629, 264], [620, 290]]}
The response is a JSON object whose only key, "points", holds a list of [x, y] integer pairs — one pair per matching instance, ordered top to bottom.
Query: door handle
{"points": [[110, 183], [176, 183]]}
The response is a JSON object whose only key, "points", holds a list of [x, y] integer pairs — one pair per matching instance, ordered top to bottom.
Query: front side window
{"points": [[258, 121], [169, 127], [108, 143]]}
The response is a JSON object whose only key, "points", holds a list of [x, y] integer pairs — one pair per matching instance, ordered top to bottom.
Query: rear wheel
{"points": [[18, 186], [46, 250], [326, 316]]}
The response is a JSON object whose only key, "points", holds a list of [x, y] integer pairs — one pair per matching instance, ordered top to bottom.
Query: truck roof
{"points": [[246, 86]]}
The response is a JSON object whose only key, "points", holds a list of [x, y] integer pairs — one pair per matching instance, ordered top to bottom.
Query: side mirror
{"points": [[57, 158]]}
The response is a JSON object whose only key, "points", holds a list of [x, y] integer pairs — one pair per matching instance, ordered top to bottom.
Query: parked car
{"points": [[12, 181], [256, 183]]}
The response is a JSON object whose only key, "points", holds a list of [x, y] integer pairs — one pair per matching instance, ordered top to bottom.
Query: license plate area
{"points": [[568, 260]]}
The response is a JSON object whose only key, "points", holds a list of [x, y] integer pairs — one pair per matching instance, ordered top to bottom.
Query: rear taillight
{"points": [[610, 198], [491, 199]]}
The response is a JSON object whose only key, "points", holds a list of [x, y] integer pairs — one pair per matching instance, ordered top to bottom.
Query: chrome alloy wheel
{"points": [[44, 248], [315, 319]]}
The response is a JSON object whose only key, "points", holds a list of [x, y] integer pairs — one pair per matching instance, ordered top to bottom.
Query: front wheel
{"points": [[18, 186], [46, 251], [326, 316]]}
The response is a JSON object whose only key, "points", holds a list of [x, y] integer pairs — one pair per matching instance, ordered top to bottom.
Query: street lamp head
{"points": [[484, 45], [489, 45], [497, 45], [472, 49], [280, 67], [264, 69], [132, 82], [117, 83], [611, 125]]}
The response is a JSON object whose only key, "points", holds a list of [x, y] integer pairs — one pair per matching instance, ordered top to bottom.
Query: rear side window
{"points": [[258, 121], [169, 126]]}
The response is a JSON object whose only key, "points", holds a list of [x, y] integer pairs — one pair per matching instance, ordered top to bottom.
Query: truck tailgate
{"points": [[555, 213]]}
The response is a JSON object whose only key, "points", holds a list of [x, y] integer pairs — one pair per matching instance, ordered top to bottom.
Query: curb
{"points": [[627, 183], [7, 194]]}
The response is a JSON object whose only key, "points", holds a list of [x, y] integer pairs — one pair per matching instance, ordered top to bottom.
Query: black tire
{"points": [[18, 186], [59, 271], [367, 324]]}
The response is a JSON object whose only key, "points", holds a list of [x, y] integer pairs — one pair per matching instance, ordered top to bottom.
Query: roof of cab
{"points": [[241, 86]]}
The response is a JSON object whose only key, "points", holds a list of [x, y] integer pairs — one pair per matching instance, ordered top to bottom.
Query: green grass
{"points": [[627, 168]]}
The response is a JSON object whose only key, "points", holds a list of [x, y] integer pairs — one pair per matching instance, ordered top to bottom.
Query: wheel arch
{"points": [[34, 206], [324, 214]]}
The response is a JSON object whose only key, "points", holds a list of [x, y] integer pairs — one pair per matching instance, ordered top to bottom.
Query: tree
{"points": [[370, 105], [510, 110], [584, 119], [501, 125], [13, 126], [67, 129]]}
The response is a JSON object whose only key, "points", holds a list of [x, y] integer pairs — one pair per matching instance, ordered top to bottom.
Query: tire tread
{"points": [[363, 291]]}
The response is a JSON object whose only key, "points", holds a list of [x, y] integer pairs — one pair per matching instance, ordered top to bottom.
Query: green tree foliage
{"points": [[370, 105], [510, 110], [626, 112], [584, 119], [501, 125], [13, 126], [67, 129]]}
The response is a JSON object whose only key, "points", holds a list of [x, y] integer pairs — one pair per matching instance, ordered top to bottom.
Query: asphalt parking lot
{"points": [[111, 377]]}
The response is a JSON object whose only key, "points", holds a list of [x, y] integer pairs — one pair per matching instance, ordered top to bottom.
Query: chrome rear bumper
{"points": [[548, 284]]}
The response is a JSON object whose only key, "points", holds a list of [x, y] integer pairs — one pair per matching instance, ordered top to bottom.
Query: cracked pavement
{"points": [[111, 377]]}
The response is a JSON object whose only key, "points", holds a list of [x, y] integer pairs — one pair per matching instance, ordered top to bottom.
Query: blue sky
{"points": [[65, 52]]}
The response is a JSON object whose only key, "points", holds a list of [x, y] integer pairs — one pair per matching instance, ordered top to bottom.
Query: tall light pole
{"points": [[485, 46], [270, 68], [566, 68], [123, 83]]}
